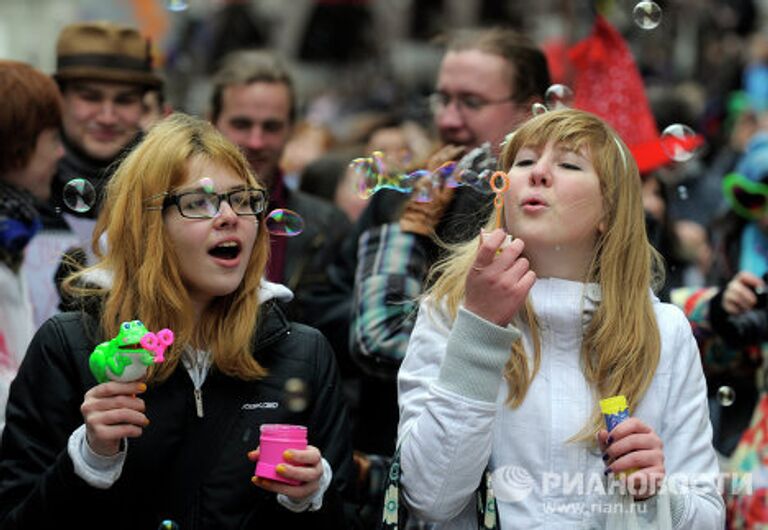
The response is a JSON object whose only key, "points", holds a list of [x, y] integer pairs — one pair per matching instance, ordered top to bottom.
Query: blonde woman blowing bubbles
{"points": [[516, 342]]}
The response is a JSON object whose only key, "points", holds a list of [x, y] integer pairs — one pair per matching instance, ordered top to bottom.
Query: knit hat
{"points": [[104, 51]]}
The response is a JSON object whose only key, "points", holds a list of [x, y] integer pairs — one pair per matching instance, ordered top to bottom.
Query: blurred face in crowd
{"points": [[474, 103], [154, 110], [256, 117], [100, 118], [393, 143], [37, 175], [347, 197], [653, 198]]}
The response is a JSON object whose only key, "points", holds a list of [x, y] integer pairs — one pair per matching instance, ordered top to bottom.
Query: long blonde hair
{"points": [[146, 283], [621, 345]]}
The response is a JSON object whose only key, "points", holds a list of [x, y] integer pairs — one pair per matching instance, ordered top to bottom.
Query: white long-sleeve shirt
{"points": [[454, 422]]}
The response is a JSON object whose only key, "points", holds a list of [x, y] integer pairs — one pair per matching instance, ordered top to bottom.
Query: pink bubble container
{"points": [[275, 439]]}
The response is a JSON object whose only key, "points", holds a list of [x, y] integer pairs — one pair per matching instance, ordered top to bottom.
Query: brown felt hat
{"points": [[104, 51]]}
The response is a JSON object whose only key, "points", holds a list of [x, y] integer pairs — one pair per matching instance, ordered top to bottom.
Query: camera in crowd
{"points": [[762, 293], [749, 328]]}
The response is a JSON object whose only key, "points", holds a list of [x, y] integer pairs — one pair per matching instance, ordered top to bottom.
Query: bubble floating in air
{"points": [[177, 5], [647, 15], [558, 97], [538, 108], [680, 142], [79, 195], [284, 222], [726, 396]]}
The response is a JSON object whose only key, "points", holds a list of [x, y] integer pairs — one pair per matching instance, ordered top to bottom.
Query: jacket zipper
{"points": [[199, 401]]}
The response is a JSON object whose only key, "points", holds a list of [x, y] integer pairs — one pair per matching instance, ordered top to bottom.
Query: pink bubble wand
{"points": [[157, 343]]}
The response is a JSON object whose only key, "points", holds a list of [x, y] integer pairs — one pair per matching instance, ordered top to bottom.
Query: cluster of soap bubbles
{"points": [[679, 142], [374, 174], [79, 196]]}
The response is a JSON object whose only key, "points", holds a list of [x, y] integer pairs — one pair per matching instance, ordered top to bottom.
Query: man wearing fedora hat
{"points": [[103, 71]]}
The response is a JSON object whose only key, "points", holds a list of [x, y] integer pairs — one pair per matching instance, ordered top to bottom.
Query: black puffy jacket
{"points": [[191, 470]]}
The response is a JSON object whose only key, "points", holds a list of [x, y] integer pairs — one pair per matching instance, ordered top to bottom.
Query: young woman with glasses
{"points": [[184, 218]]}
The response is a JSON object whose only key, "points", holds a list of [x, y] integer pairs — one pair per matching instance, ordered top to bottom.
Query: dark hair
{"points": [[250, 66], [530, 73], [29, 104], [387, 121], [322, 177]]}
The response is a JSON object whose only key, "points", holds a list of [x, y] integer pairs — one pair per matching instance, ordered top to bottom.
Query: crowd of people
{"points": [[445, 340]]}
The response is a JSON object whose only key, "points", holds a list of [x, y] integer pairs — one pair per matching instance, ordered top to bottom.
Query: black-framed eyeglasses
{"points": [[439, 101], [200, 204]]}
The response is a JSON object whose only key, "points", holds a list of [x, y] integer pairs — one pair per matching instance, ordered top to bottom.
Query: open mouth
{"points": [[534, 202], [226, 250]]}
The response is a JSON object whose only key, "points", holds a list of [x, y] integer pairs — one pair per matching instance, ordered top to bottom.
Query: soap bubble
{"points": [[177, 5], [647, 15], [558, 97], [538, 108], [680, 142], [373, 174], [446, 174], [372, 177], [367, 180], [480, 181], [206, 184], [424, 193], [79, 195], [284, 222], [296, 394], [726, 396], [168, 524]]}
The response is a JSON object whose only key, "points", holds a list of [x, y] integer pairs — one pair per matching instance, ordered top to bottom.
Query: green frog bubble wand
{"points": [[127, 356]]}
